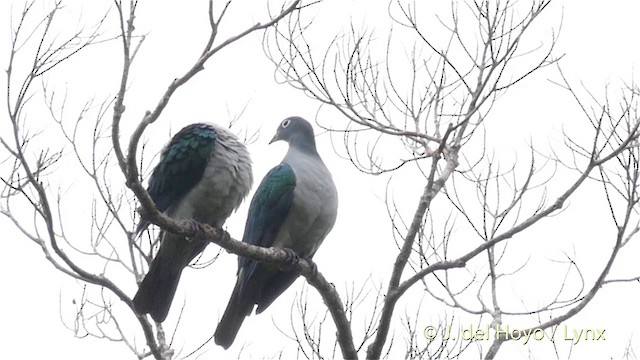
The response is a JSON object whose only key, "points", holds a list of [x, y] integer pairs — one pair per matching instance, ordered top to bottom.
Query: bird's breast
{"points": [[226, 181], [313, 212]]}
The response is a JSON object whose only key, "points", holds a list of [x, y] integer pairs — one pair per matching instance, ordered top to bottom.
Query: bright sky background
{"points": [[599, 40]]}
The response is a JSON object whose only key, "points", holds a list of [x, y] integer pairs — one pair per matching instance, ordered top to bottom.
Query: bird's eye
{"points": [[285, 123]]}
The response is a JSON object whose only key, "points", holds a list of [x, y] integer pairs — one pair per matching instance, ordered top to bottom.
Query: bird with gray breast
{"points": [[204, 173], [294, 208]]}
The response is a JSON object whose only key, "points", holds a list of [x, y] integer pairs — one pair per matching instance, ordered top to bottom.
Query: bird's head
{"points": [[297, 132]]}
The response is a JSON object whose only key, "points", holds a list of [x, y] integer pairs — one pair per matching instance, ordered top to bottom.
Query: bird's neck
{"points": [[303, 145], [301, 154]]}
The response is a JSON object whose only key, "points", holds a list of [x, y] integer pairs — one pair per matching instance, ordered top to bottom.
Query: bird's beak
{"points": [[275, 138]]}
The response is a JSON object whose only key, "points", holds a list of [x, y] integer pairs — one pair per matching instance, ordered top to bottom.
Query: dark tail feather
{"points": [[277, 285], [157, 289], [238, 308]]}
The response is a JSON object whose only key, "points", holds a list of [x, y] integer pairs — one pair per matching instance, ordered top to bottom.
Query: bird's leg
{"points": [[198, 228], [225, 235], [291, 260], [313, 266]]}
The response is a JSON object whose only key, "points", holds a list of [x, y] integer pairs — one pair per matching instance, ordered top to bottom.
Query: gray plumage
{"points": [[203, 174], [294, 207]]}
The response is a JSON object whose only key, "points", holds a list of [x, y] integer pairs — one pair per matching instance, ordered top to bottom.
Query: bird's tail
{"points": [[158, 287], [157, 290], [238, 308]]}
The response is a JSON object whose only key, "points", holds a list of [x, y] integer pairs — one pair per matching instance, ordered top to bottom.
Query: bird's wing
{"points": [[181, 165], [269, 208]]}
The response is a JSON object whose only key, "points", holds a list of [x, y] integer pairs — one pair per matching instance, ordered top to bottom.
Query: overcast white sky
{"points": [[600, 42]]}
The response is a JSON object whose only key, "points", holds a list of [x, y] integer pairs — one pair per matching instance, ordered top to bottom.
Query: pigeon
{"points": [[203, 175], [294, 208]]}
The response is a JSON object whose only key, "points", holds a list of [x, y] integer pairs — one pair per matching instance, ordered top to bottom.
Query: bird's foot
{"points": [[197, 228], [200, 232], [225, 235], [291, 260], [313, 266]]}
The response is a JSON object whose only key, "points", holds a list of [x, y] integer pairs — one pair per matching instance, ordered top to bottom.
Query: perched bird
{"points": [[204, 173], [294, 208]]}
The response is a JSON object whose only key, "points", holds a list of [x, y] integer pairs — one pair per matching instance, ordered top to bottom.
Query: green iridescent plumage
{"points": [[181, 166], [203, 175], [269, 206], [294, 207]]}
